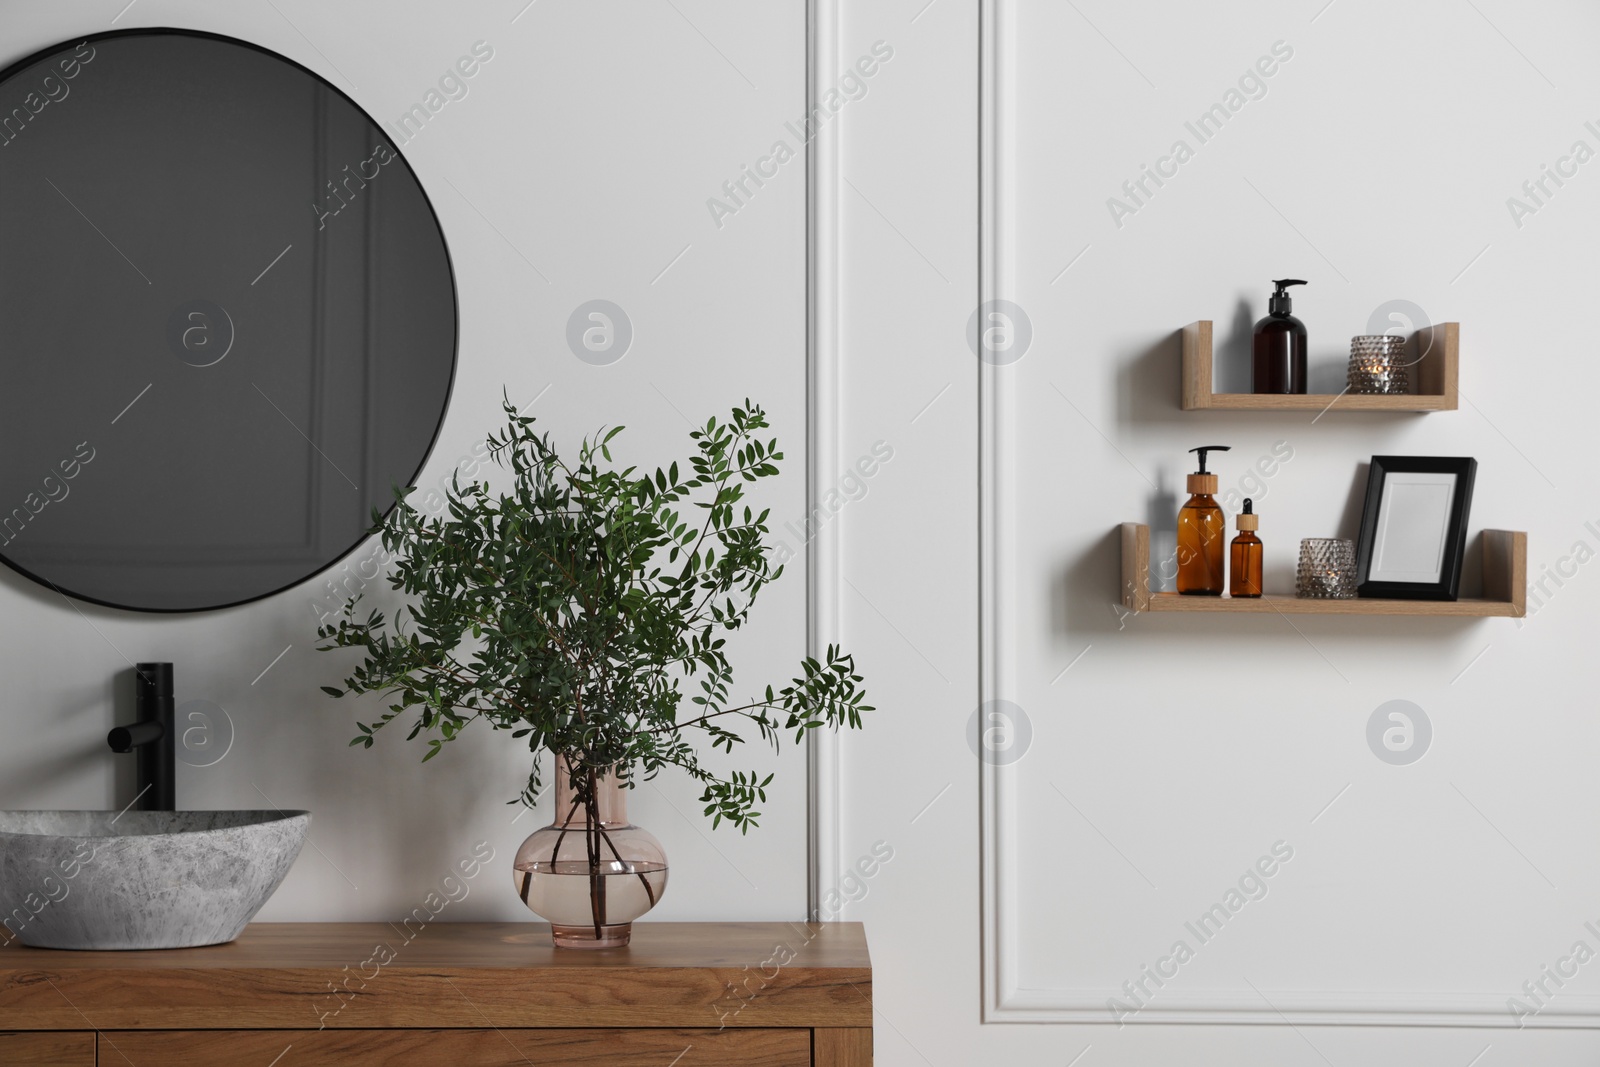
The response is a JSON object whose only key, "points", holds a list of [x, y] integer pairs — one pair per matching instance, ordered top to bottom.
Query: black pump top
{"points": [[1279, 304], [1209, 448], [1249, 508]]}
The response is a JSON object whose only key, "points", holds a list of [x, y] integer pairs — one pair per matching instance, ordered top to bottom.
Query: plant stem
{"points": [[591, 839], [555, 852], [650, 894]]}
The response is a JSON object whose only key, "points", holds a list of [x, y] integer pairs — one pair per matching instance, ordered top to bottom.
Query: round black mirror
{"points": [[227, 321]]}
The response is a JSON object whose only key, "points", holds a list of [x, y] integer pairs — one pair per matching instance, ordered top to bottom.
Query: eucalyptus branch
{"points": [[591, 604]]}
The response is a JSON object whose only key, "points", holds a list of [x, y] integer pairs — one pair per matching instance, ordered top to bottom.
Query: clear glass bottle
{"points": [[591, 872]]}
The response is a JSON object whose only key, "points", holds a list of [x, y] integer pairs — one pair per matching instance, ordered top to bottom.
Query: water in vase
{"points": [[564, 893]]}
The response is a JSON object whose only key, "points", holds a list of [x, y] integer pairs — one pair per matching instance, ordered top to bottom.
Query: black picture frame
{"points": [[1375, 534]]}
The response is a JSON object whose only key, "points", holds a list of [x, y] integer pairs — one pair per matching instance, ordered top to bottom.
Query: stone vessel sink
{"points": [[141, 879]]}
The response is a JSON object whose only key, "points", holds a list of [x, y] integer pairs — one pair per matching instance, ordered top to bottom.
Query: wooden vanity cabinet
{"points": [[464, 994]]}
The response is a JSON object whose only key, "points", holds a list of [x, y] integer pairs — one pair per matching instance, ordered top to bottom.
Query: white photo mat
{"points": [[1413, 531]]}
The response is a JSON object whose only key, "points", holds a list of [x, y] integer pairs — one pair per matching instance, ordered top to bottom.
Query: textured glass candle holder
{"points": [[1378, 365], [1327, 569]]}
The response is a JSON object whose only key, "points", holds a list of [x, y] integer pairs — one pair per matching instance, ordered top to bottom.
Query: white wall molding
{"points": [[822, 440], [996, 461], [1003, 1000], [1281, 1008]]}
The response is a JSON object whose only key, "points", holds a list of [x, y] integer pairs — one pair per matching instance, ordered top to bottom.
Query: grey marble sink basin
{"points": [[141, 879]]}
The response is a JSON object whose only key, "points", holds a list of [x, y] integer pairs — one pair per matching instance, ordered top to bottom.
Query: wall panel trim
{"points": [[823, 178], [1002, 999]]}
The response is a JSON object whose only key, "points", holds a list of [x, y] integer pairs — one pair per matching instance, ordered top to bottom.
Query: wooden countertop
{"points": [[380, 975]]}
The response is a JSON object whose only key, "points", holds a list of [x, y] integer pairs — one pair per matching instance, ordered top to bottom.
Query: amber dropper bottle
{"points": [[1201, 529], [1244, 558]]}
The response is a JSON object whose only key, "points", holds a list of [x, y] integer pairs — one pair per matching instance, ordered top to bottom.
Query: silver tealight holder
{"points": [[1378, 365], [1327, 569]]}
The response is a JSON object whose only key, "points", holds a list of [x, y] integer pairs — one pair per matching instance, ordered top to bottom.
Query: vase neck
{"points": [[609, 798]]}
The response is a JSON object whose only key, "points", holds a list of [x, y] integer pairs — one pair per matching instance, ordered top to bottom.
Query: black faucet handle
{"points": [[154, 681]]}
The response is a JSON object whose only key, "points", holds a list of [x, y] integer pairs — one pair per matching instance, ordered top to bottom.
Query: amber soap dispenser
{"points": [[1201, 531], [1244, 558]]}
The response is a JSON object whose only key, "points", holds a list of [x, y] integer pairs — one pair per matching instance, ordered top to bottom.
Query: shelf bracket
{"points": [[1136, 566]]}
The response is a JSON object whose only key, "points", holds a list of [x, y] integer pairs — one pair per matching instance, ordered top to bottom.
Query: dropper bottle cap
{"points": [[1200, 482], [1248, 519]]}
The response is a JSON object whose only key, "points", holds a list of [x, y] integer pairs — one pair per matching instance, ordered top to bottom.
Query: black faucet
{"points": [[154, 736]]}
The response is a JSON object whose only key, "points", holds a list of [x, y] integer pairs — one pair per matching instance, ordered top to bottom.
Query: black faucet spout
{"points": [[128, 738], [153, 738]]}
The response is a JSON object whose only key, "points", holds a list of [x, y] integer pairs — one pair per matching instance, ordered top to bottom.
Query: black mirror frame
{"points": [[455, 298]]}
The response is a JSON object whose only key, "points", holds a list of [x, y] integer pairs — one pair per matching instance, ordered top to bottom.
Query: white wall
{"points": [[577, 167], [1179, 749], [1176, 750]]}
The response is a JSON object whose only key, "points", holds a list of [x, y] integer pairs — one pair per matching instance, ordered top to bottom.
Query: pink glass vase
{"points": [[590, 873]]}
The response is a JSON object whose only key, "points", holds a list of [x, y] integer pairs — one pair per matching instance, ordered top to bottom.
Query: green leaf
{"points": [[584, 609]]}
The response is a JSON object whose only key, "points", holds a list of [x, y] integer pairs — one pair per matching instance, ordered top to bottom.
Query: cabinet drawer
{"points": [[458, 1048], [53, 1049]]}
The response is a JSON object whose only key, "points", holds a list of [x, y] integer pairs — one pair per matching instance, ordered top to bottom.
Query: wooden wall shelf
{"points": [[1435, 376], [1505, 585], [488, 994]]}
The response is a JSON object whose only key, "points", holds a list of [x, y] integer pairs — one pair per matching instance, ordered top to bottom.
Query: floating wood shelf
{"points": [[1435, 377], [1505, 587]]}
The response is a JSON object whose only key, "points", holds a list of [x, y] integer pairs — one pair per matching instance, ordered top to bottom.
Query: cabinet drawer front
{"points": [[459, 1048], [59, 1049]]}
